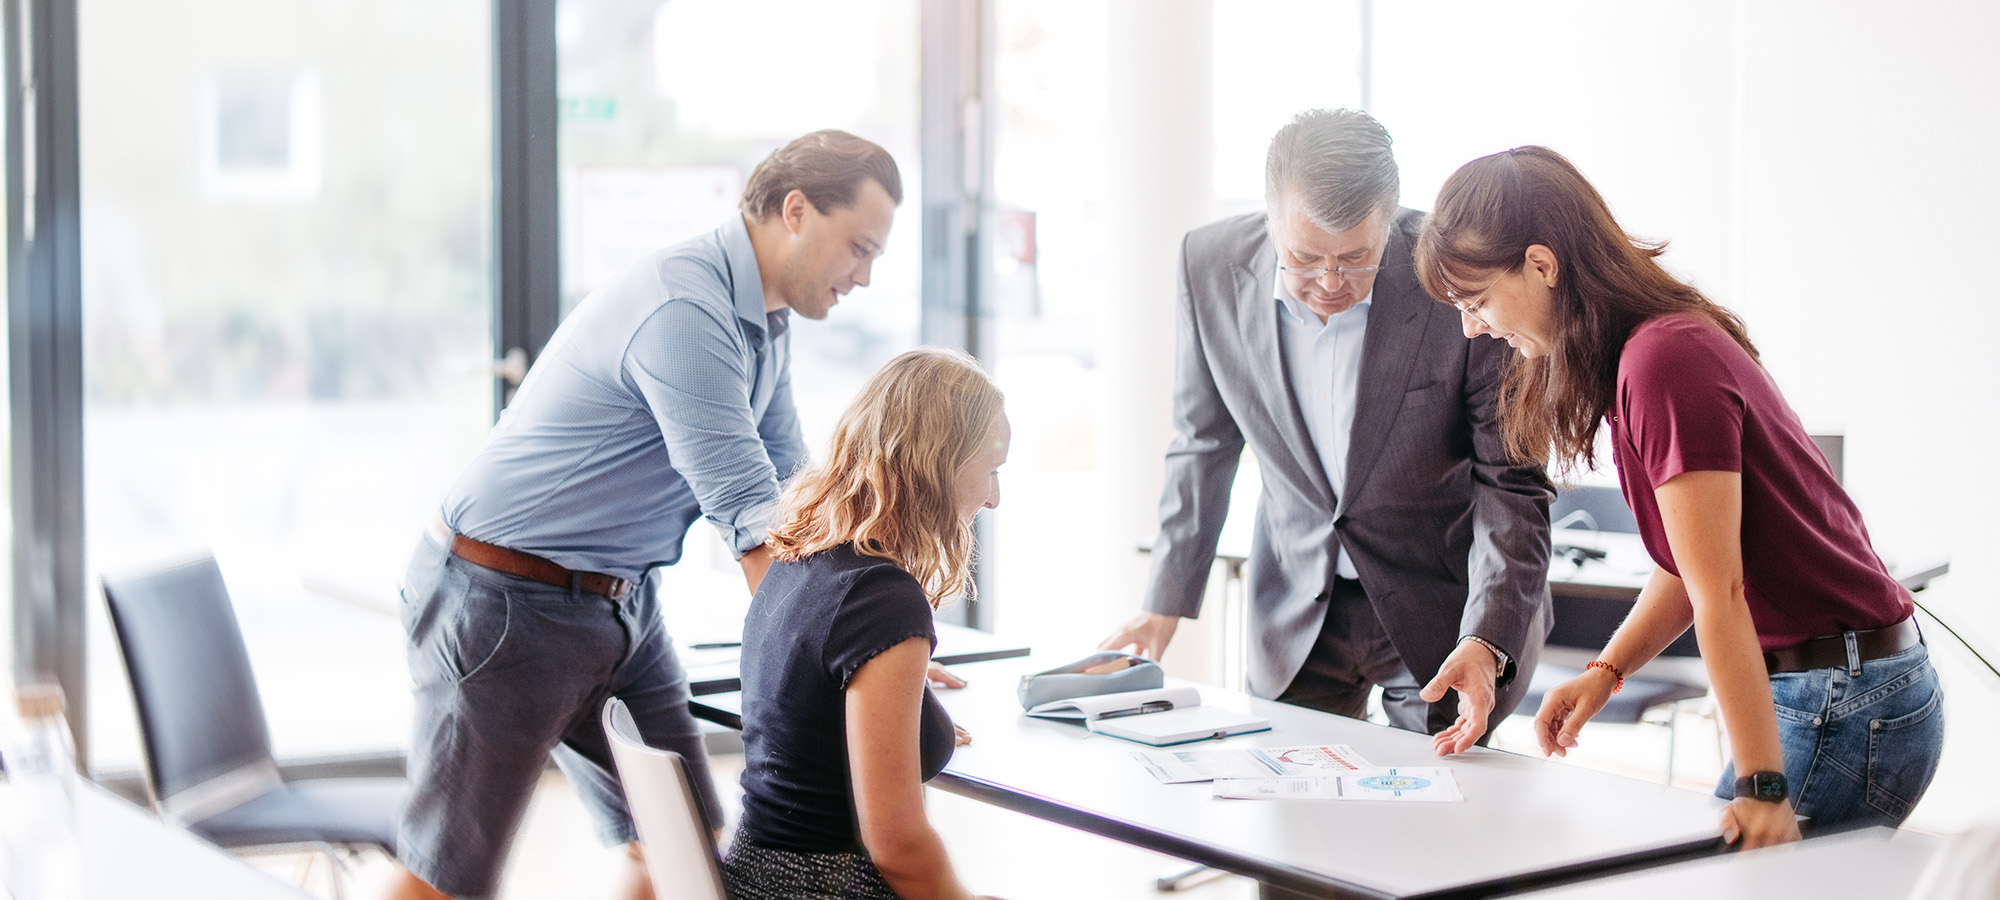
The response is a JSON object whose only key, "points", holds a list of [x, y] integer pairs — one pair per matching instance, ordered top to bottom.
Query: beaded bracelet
{"points": [[1601, 664]]}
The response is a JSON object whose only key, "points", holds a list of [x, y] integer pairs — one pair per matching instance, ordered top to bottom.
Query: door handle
{"points": [[512, 367]]}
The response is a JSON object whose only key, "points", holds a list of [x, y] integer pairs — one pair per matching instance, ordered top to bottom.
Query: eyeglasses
{"points": [[1315, 273], [1471, 308]]}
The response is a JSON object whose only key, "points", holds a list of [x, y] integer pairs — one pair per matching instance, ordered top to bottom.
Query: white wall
{"points": [[1824, 168]]}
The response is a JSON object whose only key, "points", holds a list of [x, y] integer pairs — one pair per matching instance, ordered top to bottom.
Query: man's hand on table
{"points": [[1147, 634], [1470, 670]]}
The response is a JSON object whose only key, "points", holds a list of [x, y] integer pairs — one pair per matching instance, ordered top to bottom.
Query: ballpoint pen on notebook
{"points": [[1150, 706]]}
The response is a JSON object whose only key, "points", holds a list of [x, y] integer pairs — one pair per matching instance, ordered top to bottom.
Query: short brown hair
{"points": [[828, 166], [1487, 215], [887, 483]]}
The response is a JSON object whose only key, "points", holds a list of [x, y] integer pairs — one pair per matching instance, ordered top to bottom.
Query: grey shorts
{"points": [[506, 672]]}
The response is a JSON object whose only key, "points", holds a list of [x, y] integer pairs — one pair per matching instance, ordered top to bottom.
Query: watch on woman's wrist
{"points": [[1769, 787]]}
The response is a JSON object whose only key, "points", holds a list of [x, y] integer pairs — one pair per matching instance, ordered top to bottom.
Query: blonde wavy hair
{"points": [[888, 481]]}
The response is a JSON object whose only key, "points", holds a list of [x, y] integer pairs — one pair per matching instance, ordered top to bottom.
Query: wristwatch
{"points": [[1769, 787]]}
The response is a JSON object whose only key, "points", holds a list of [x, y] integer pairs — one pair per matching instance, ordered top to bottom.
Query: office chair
{"points": [[209, 766], [678, 842]]}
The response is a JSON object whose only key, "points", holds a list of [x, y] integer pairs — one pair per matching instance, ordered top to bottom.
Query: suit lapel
{"points": [[1396, 320], [1267, 352]]}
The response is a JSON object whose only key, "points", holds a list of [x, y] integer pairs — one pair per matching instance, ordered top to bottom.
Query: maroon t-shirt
{"points": [[1691, 400]]}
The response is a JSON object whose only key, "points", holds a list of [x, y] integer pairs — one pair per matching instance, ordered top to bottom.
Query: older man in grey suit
{"points": [[1394, 543]]}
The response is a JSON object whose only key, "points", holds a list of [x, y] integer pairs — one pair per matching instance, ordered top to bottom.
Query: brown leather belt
{"points": [[527, 565], [1831, 651]]}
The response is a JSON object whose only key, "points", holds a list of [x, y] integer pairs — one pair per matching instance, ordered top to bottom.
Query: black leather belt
{"points": [[527, 565], [1831, 651]]}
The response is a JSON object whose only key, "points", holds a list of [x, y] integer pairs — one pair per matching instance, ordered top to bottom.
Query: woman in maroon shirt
{"points": [[1827, 690]]}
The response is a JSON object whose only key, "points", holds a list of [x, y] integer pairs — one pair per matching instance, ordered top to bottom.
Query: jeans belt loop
{"points": [[1853, 653]]}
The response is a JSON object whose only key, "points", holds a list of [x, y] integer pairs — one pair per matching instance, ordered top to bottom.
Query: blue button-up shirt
{"points": [[1324, 365], [665, 396]]}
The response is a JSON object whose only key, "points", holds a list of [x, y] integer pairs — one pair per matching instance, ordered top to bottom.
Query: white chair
{"points": [[679, 846]]}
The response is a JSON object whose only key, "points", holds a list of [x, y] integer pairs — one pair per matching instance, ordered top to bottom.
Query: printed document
{"points": [[1182, 766], [1402, 784]]}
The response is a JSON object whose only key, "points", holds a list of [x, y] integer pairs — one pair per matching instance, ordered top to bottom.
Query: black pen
{"points": [[714, 645], [1150, 706]]}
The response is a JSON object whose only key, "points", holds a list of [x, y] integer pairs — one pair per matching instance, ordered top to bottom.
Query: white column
{"points": [[1160, 150]]}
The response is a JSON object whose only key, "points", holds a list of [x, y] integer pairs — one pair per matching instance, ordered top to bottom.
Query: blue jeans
{"points": [[1861, 741]]}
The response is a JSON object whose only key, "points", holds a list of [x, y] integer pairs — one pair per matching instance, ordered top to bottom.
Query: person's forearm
{"points": [[755, 564], [1660, 615], [1735, 663], [914, 862]]}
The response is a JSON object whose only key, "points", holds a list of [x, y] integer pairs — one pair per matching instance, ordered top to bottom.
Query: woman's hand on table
{"points": [[940, 676], [1566, 709], [1750, 823]]}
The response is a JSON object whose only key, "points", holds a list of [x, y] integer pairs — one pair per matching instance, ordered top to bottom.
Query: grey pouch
{"points": [[1064, 682]]}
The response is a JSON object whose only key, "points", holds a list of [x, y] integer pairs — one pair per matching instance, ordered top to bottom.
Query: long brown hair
{"points": [[1607, 282], [887, 483]]}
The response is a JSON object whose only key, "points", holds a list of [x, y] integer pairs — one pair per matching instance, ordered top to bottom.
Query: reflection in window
{"points": [[666, 107], [260, 134], [286, 326]]}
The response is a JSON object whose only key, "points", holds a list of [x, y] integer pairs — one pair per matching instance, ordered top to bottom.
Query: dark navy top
{"points": [[811, 626]]}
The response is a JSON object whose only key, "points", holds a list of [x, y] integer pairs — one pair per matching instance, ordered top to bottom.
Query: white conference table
{"points": [[1524, 823], [126, 852], [1871, 864]]}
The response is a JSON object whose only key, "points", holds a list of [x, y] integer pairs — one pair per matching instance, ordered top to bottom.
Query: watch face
{"points": [[1766, 786]]}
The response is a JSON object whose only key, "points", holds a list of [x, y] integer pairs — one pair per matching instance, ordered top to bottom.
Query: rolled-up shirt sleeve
{"points": [[697, 378], [779, 428]]}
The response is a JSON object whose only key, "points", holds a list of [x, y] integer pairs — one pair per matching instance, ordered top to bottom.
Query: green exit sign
{"points": [[589, 109]]}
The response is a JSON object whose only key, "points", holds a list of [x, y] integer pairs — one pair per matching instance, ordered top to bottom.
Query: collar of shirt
{"points": [[746, 284], [1298, 312]]}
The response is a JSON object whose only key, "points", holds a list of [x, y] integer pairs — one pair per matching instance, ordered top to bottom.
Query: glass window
{"points": [[666, 107], [1050, 251], [287, 307], [6, 463]]}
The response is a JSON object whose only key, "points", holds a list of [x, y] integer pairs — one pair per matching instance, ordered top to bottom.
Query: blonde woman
{"points": [[840, 729]]}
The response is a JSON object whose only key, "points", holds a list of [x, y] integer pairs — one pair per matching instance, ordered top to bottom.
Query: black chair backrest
{"points": [[1605, 506], [199, 713]]}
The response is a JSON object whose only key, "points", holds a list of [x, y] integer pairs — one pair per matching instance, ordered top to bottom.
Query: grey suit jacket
{"points": [[1448, 537]]}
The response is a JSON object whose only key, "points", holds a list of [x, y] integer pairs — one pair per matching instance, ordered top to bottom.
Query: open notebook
{"points": [[1156, 716]]}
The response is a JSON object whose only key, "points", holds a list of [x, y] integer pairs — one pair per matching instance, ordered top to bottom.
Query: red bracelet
{"points": [[1601, 664]]}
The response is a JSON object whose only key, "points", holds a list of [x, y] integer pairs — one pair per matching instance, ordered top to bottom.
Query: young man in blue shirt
{"points": [[663, 398]]}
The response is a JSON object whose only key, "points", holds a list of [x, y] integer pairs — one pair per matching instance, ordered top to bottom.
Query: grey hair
{"points": [[1339, 165]]}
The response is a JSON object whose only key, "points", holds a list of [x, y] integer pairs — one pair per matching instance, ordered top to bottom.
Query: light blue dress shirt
{"points": [[1324, 364], [664, 397]]}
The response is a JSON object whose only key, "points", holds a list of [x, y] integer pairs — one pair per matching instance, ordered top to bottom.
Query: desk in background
{"points": [[717, 670]]}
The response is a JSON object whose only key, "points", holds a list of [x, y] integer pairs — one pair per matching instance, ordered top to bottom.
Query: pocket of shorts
{"points": [[478, 632], [1903, 748]]}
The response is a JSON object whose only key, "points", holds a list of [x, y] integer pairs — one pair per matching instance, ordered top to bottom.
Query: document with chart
{"points": [[1182, 766], [1404, 784]]}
